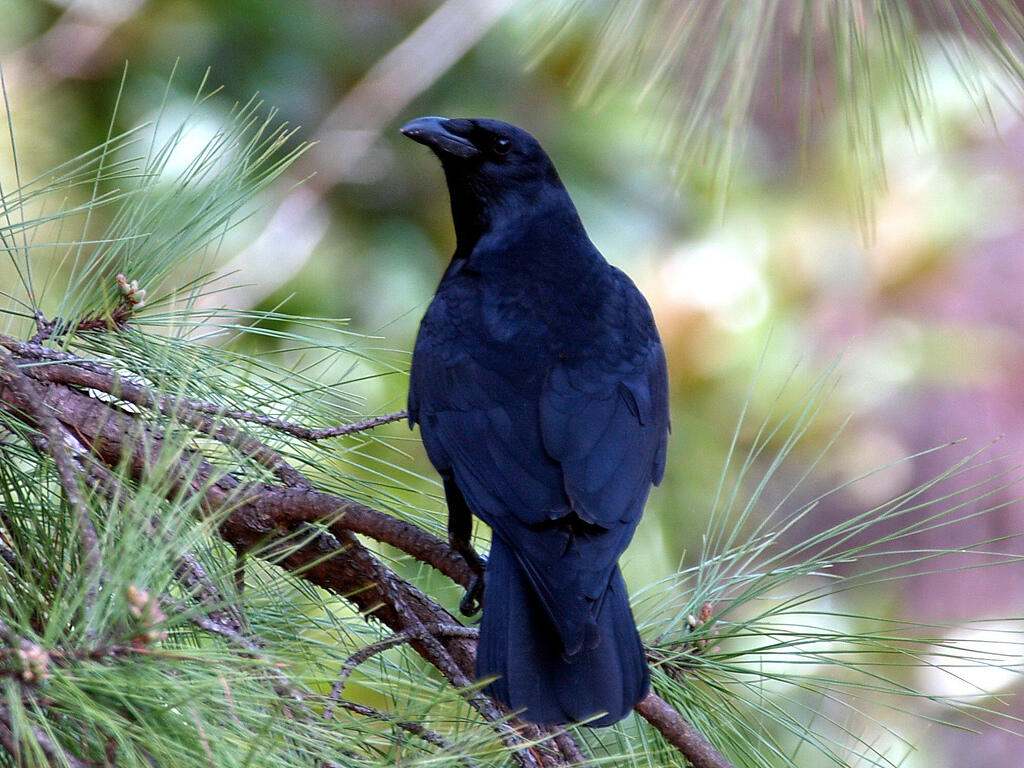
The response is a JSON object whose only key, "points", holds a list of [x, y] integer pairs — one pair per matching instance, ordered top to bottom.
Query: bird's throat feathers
{"points": [[520, 216]]}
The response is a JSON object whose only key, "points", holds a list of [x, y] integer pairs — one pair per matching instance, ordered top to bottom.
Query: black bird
{"points": [[539, 384]]}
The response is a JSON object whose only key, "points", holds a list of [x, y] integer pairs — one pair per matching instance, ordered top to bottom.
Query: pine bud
{"points": [[137, 599], [146, 609], [705, 613], [35, 663]]}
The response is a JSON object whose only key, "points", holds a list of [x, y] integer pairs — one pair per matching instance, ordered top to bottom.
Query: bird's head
{"points": [[482, 148], [495, 170]]}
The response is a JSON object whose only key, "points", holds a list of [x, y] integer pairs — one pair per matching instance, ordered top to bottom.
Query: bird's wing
{"points": [[605, 419], [479, 423], [586, 436]]}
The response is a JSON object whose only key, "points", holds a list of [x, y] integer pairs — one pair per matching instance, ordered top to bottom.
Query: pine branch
{"points": [[136, 394], [26, 399], [311, 434], [300, 503], [258, 517], [264, 518], [188, 571], [399, 638], [680, 733], [429, 736]]}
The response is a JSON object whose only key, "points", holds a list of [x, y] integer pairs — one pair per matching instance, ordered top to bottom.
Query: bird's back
{"points": [[509, 375]]}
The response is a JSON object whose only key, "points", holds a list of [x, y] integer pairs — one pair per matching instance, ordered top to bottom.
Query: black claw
{"points": [[473, 601]]}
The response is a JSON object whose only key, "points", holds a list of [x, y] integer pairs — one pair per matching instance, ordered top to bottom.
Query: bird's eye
{"points": [[502, 146]]}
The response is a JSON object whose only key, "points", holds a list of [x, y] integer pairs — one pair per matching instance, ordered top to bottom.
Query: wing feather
{"points": [[608, 434]]}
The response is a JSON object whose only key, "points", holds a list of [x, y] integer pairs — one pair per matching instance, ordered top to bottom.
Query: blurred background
{"points": [[766, 270]]}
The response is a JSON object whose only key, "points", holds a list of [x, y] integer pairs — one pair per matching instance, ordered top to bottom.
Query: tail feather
{"points": [[522, 650]]}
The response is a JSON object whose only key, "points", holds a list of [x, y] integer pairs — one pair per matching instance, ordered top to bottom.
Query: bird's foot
{"points": [[473, 600]]}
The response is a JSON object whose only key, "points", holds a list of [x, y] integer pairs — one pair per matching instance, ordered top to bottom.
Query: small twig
{"points": [[132, 297], [117, 320], [44, 327], [35, 350], [137, 394], [30, 401], [296, 430], [192, 575], [212, 625], [399, 638], [251, 647], [64, 657], [429, 736]]}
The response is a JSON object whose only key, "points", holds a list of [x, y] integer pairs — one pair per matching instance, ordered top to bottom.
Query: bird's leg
{"points": [[460, 534]]}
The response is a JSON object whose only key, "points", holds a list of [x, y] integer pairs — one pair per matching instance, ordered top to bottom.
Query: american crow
{"points": [[539, 384]]}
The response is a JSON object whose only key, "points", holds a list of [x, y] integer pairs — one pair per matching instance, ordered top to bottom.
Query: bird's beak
{"points": [[434, 132]]}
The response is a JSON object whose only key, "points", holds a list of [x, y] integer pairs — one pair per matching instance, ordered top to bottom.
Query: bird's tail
{"points": [[520, 647]]}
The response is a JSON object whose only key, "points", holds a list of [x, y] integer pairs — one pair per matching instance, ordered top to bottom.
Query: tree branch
{"points": [[106, 379], [136, 394], [27, 400], [311, 434], [299, 503], [265, 519], [399, 638], [680, 733], [429, 736]]}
